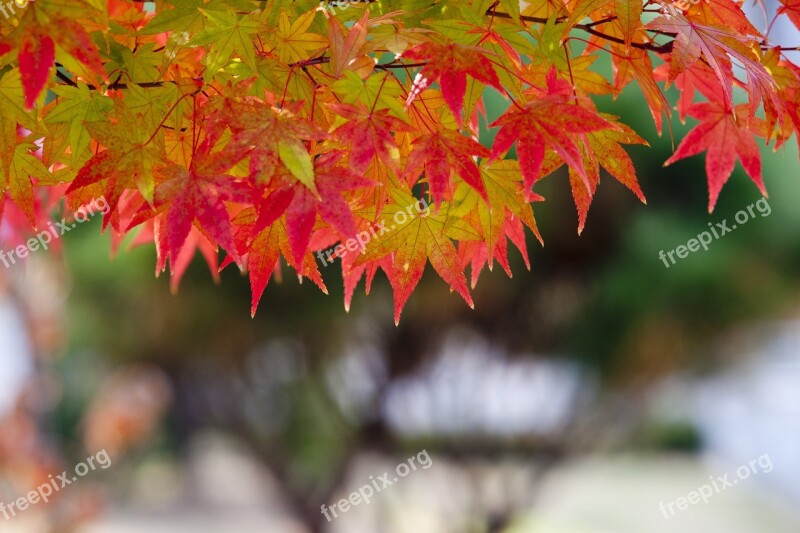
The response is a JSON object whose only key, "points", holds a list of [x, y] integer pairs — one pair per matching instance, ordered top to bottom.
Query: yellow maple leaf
{"points": [[292, 43]]}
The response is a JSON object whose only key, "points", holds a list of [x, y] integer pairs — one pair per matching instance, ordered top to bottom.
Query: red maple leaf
{"points": [[792, 10], [717, 45], [37, 53], [37, 56], [450, 64], [553, 121], [259, 130], [369, 134], [725, 135], [440, 154], [198, 195], [301, 205], [263, 249]]}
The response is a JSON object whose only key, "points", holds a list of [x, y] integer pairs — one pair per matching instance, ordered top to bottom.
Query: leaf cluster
{"points": [[277, 130]]}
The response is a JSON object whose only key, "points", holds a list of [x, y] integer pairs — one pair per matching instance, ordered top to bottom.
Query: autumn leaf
{"points": [[792, 9], [630, 18], [227, 34], [292, 42], [717, 46], [350, 52], [36, 58], [449, 65], [76, 107], [553, 122], [283, 133], [369, 134], [268, 136], [725, 137], [604, 149], [442, 154], [127, 163], [17, 179], [194, 196], [301, 206], [499, 220], [414, 243], [263, 248]]}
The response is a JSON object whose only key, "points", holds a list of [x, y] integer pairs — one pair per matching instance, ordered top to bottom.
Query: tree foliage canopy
{"points": [[280, 130]]}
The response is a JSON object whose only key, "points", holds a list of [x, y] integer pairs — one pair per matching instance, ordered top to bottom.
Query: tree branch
{"points": [[589, 28]]}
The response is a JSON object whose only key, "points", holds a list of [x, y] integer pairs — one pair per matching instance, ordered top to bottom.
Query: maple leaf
{"points": [[580, 9], [792, 9], [725, 13], [185, 15], [629, 17], [227, 34], [37, 37], [397, 39], [292, 42], [717, 45], [349, 52], [36, 57], [449, 64], [635, 64], [787, 76], [698, 78], [375, 93], [76, 107], [552, 121], [278, 134], [369, 134], [266, 135], [725, 136], [603, 149], [442, 153], [127, 163], [17, 178], [198, 195], [301, 205], [499, 220], [195, 240], [413, 244], [263, 249], [476, 254]]}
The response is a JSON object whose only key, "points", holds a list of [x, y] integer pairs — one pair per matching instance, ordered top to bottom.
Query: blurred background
{"points": [[586, 396]]}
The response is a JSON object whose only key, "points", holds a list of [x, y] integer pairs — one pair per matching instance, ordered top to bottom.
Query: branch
{"points": [[492, 11], [589, 28]]}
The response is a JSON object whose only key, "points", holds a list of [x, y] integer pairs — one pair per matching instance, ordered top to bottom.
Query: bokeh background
{"points": [[575, 398]]}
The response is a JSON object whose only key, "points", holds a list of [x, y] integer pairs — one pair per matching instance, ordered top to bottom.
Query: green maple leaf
{"points": [[185, 16], [227, 34], [352, 89], [12, 101], [77, 106]]}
